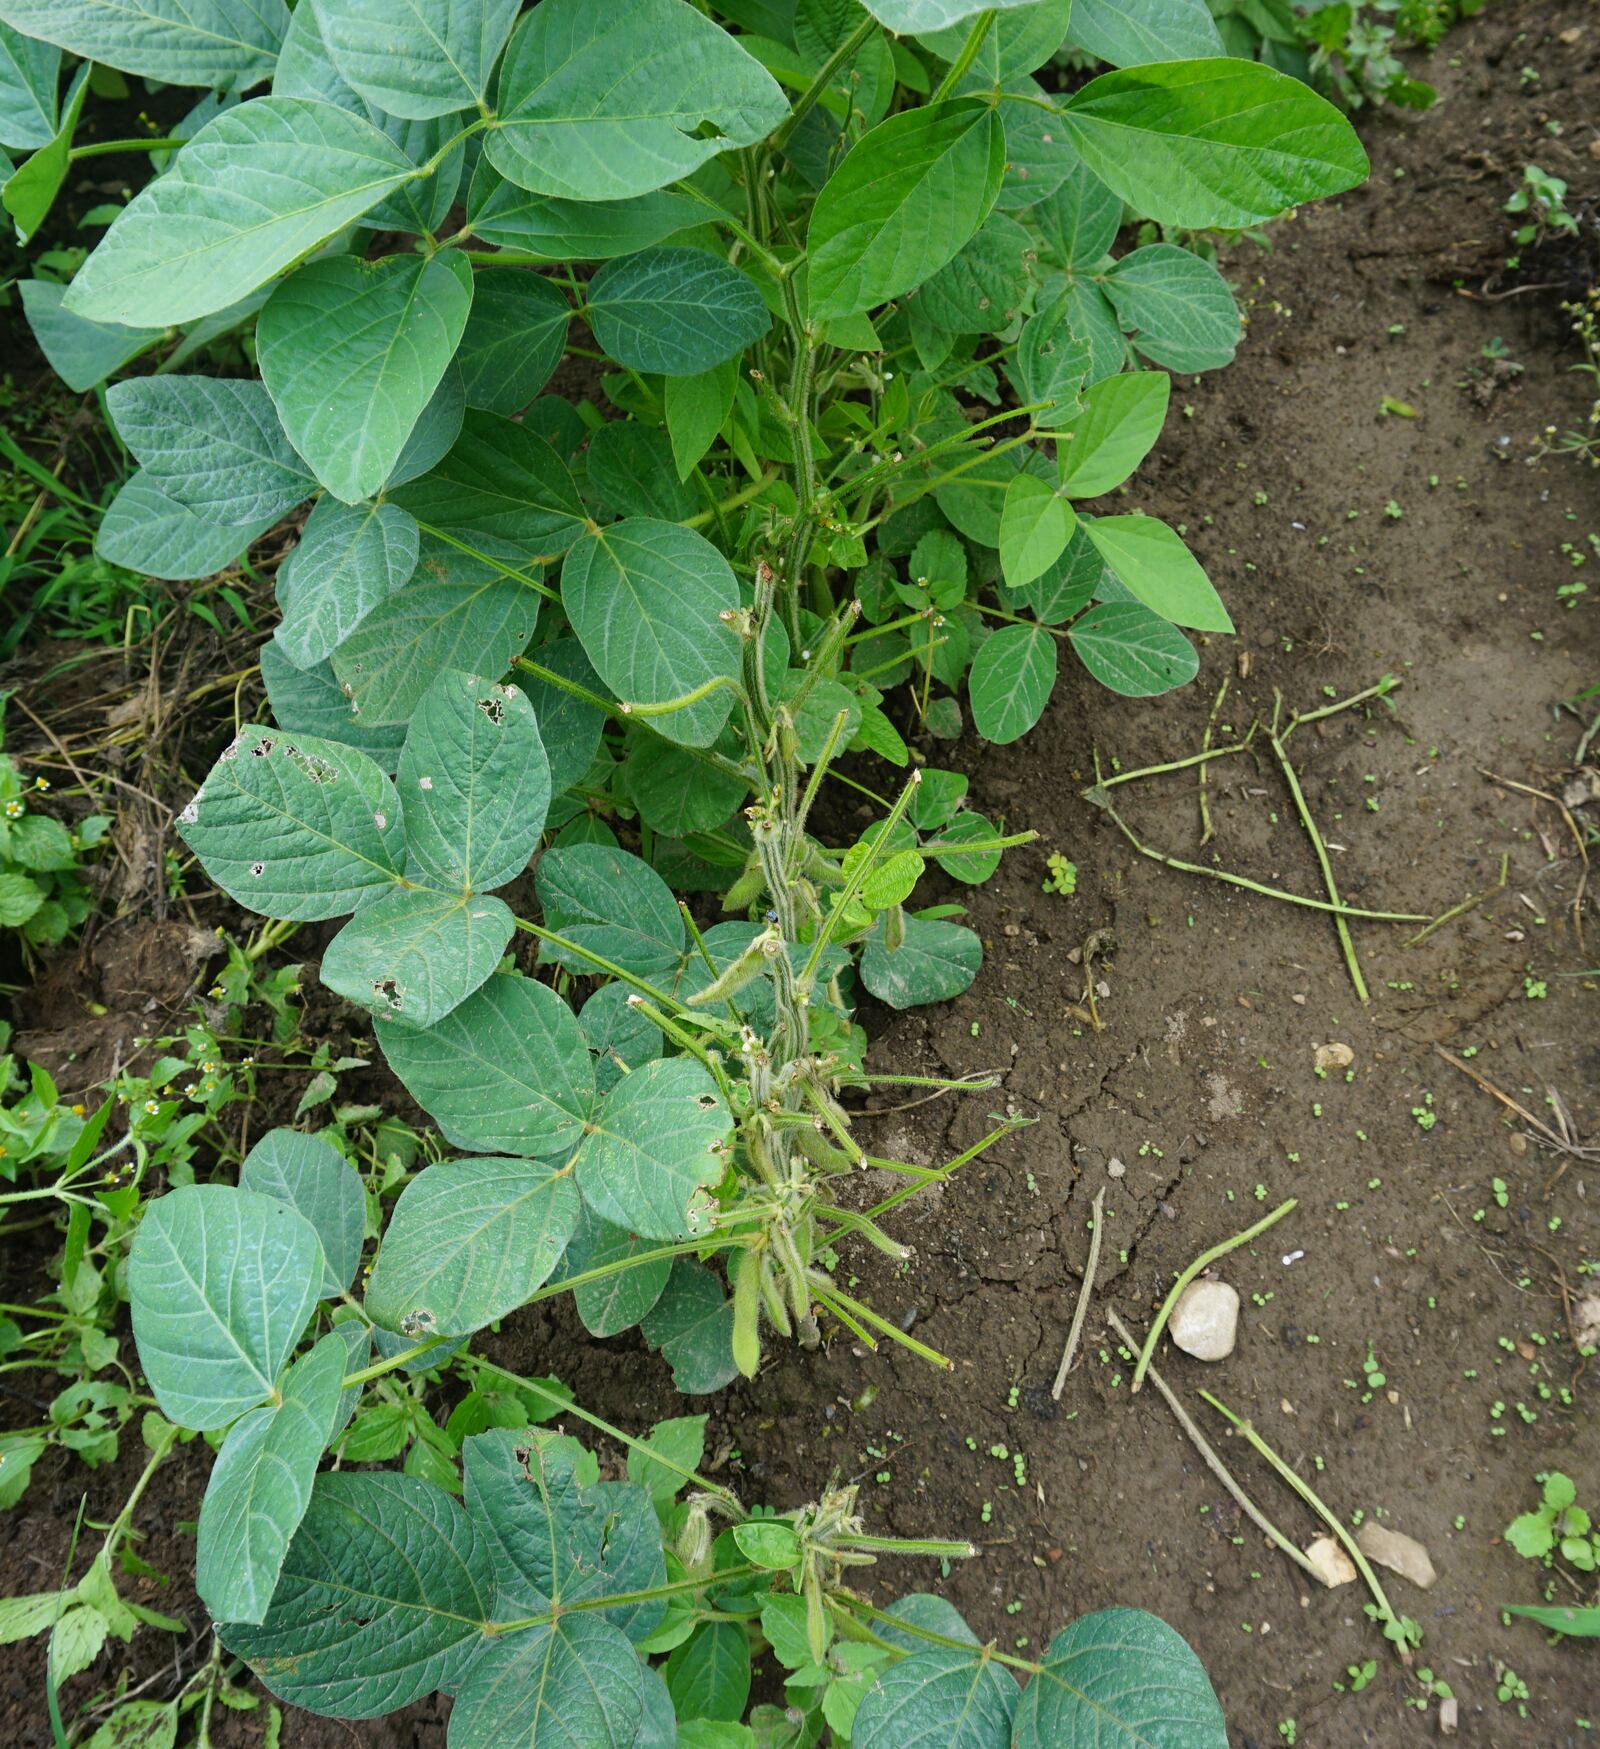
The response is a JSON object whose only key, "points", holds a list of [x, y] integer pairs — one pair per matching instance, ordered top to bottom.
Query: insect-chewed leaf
{"points": [[921, 17], [1130, 33], [220, 43], [417, 58], [608, 102], [1215, 142], [251, 193], [902, 203], [574, 230], [1180, 307], [675, 312], [513, 341], [82, 353], [351, 353], [1120, 422], [213, 444], [148, 530], [350, 557], [1155, 565], [646, 600], [1132, 650], [1012, 676], [310, 701], [476, 784], [296, 827], [613, 904], [417, 954], [935, 961], [507, 1071], [657, 1141], [311, 1175], [468, 1241], [221, 1283], [615, 1302], [692, 1325], [260, 1486], [425, 1587], [1120, 1676], [575, 1680], [937, 1696]]}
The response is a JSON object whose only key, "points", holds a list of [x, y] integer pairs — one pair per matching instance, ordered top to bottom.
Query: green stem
{"points": [[969, 53], [808, 99], [105, 148], [735, 501], [494, 564], [1297, 795], [600, 963]]}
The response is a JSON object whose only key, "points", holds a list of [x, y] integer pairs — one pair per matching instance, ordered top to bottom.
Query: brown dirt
{"points": [[1196, 1108]]}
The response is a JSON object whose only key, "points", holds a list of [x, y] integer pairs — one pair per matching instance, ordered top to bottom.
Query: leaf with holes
{"points": [[417, 954]]}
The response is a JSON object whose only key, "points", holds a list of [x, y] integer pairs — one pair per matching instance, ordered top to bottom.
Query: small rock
{"points": [[1334, 1056], [1205, 1320], [1586, 1321], [1399, 1553], [1333, 1565], [1449, 1714]]}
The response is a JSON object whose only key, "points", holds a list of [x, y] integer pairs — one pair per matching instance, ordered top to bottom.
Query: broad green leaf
{"points": [[922, 17], [1129, 33], [228, 44], [417, 58], [30, 71], [609, 102], [1223, 143], [1040, 157], [30, 190], [250, 194], [903, 202], [1080, 220], [575, 230], [982, 288], [1178, 307], [674, 312], [1091, 318], [514, 339], [82, 353], [351, 353], [1052, 363], [696, 409], [1120, 422], [435, 432], [214, 444], [631, 471], [975, 498], [1035, 525], [147, 530], [350, 557], [1155, 565], [1068, 585], [646, 600], [475, 625], [1132, 650], [1010, 683], [309, 701], [569, 725], [475, 784], [674, 793], [295, 827], [971, 866], [612, 904], [417, 954], [934, 962], [507, 1072], [659, 1138], [312, 1176], [468, 1242], [221, 1283], [614, 1302], [692, 1325], [682, 1439], [260, 1487], [768, 1544], [383, 1598], [922, 1609], [708, 1676], [1119, 1677], [576, 1680], [938, 1697]]}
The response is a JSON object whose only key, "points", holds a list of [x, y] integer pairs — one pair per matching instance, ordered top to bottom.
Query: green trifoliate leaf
{"points": [[922, 17], [1129, 33], [228, 44], [417, 58], [30, 71], [609, 102], [1222, 143], [1039, 155], [250, 194], [902, 204], [1080, 220], [575, 230], [981, 290], [1179, 307], [675, 312], [1091, 318], [514, 339], [352, 351], [82, 353], [1121, 419], [214, 444], [631, 471], [1035, 525], [147, 530], [350, 557], [1155, 565], [1068, 586], [646, 600], [1132, 650], [1010, 683], [309, 701], [475, 783], [295, 827], [973, 867], [612, 904], [417, 954], [935, 961], [508, 1071], [658, 1140], [313, 1177], [468, 1242], [221, 1283], [615, 1302], [692, 1325], [260, 1487], [425, 1586], [708, 1676], [1119, 1678], [576, 1679], [938, 1696]]}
